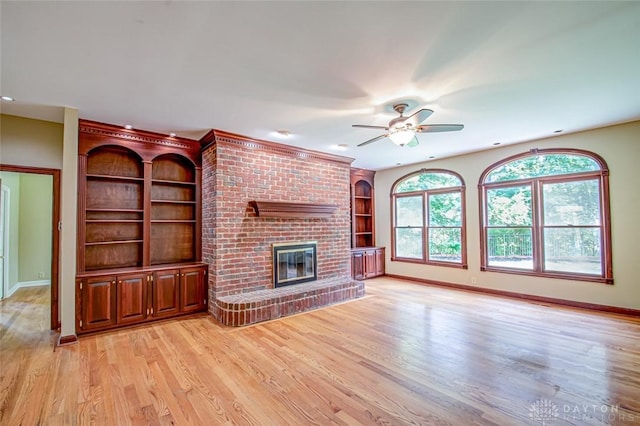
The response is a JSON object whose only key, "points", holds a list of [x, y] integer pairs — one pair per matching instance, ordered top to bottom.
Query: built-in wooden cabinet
{"points": [[138, 212], [362, 214], [367, 260], [113, 300]]}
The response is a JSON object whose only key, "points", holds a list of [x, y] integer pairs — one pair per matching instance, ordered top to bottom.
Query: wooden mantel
{"points": [[289, 209]]}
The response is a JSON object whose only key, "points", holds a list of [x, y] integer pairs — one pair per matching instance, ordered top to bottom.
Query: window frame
{"points": [[425, 194], [538, 225]]}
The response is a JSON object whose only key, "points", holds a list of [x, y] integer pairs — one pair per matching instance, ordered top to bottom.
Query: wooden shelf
{"points": [[113, 177], [172, 182], [172, 202], [288, 209], [115, 210], [114, 221], [172, 221], [104, 243]]}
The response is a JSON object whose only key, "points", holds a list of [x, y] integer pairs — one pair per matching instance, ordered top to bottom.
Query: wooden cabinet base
{"points": [[367, 262], [117, 298]]}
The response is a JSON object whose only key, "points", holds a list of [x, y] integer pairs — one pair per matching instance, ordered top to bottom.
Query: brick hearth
{"points": [[237, 242], [263, 305]]}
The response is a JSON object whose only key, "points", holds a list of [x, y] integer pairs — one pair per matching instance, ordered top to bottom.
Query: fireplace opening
{"points": [[294, 263]]}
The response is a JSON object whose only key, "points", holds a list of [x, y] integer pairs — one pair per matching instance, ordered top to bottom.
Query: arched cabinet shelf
{"points": [[139, 227], [367, 260]]}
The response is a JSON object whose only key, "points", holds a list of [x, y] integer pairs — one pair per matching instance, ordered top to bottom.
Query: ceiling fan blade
{"points": [[418, 117], [365, 126], [433, 128], [372, 140], [414, 142]]}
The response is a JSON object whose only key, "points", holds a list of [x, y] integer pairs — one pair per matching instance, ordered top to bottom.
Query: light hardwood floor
{"points": [[404, 354]]}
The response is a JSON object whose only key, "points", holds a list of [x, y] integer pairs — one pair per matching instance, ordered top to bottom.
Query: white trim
{"points": [[6, 194], [24, 284]]}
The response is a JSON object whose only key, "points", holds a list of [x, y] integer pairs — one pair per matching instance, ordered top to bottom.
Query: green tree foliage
{"points": [[542, 165], [425, 181]]}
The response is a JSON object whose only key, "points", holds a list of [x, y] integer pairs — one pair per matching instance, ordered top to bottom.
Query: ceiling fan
{"points": [[402, 130]]}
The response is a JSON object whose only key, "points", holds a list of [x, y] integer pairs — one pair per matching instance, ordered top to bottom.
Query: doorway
{"points": [[53, 268]]}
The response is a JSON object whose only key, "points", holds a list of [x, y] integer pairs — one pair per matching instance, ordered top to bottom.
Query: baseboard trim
{"points": [[24, 284], [524, 296], [67, 340]]}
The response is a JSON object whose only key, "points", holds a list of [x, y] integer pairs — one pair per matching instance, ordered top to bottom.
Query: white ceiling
{"points": [[509, 71]]}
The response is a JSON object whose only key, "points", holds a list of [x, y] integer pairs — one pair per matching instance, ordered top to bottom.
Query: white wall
{"points": [[618, 145]]}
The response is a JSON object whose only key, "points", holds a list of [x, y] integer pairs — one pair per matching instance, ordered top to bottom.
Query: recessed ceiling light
{"points": [[8, 98], [128, 126], [557, 131], [283, 133], [172, 135], [496, 143], [341, 147], [432, 157], [398, 164]]}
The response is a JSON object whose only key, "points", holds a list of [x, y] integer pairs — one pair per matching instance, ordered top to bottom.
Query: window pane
{"points": [[542, 165], [425, 181], [572, 203], [509, 206], [445, 209], [409, 211], [409, 243], [445, 244], [510, 247], [572, 250]]}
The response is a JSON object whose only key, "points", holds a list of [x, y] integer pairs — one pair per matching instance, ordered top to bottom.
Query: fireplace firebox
{"points": [[294, 263]]}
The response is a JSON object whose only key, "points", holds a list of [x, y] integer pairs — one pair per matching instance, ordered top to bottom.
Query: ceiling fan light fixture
{"points": [[402, 137]]}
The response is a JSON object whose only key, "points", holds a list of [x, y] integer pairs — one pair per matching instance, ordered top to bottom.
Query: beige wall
{"points": [[27, 142], [36, 143], [618, 145], [34, 257]]}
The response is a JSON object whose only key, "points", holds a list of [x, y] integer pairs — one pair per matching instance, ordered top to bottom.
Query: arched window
{"points": [[546, 213], [428, 218]]}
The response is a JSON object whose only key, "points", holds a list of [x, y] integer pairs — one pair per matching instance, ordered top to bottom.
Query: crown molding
{"points": [[135, 135], [221, 137]]}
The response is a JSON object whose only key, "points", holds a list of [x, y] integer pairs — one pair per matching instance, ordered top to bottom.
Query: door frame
{"points": [[4, 220], [55, 232]]}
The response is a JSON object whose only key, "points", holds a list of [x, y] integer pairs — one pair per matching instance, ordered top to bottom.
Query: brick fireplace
{"points": [[238, 238]]}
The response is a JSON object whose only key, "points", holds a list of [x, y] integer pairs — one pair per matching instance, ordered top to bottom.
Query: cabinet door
{"points": [[379, 262], [369, 263], [357, 265], [166, 293], [192, 294], [132, 298], [98, 302]]}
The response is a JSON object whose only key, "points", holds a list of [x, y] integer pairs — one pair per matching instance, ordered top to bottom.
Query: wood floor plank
{"points": [[404, 354]]}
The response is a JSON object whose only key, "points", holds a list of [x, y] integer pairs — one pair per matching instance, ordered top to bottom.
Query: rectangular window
{"points": [[409, 227], [445, 227], [510, 227], [571, 229]]}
